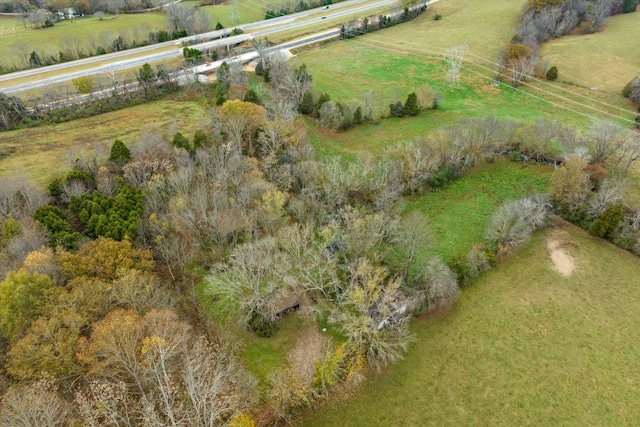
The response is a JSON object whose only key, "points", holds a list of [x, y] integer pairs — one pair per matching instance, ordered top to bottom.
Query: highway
{"points": [[282, 23]]}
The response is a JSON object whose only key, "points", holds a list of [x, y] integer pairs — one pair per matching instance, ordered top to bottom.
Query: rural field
{"points": [[607, 60], [358, 65], [43, 152], [459, 213], [550, 335], [524, 345]]}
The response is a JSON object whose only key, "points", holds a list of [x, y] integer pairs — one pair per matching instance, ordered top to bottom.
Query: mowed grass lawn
{"points": [[607, 60], [43, 152], [523, 346]]}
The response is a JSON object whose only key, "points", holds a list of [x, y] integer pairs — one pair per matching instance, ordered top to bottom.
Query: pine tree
{"points": [[552, 74], [306, 106], [411, 106], [120, 154]]}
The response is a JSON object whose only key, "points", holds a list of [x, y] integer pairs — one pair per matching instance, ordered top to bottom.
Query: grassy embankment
{"points": [[523, 346]]}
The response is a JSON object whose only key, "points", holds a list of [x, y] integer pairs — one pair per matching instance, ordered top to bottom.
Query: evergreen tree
{"points": [[629, 6], [552, 74], [252, 96], [325, 97], [306, 106], [411, 106], [357, 116], [200, 139], [181, 141], [120, 154]]}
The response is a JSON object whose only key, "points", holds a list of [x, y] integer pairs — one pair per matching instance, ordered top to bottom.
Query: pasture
{"points": [[607, 60], [358, 66], [43, 152], [523, 346]]}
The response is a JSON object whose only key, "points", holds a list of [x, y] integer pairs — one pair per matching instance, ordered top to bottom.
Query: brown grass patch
{"points": [[558, 245]]}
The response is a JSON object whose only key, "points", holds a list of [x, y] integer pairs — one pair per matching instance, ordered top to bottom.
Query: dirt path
{"points": [[308, 347]]}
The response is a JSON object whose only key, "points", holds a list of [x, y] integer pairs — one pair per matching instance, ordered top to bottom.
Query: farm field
{"points": [[50, 39], [607, 60], [357, 66], [53, 148], [523, 346]]}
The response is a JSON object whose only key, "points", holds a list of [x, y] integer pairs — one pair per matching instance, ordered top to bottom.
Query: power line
{"points": [[439, 56], [542, 82]]}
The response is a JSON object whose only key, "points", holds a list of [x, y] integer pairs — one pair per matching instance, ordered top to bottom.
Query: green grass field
{"points": [[16, 38], [607, 60], [356, 67], [459, 213], [523, 346]]}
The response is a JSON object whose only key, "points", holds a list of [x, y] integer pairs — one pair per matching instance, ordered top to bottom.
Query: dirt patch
{"points": [[557, 244], [308, 347]]}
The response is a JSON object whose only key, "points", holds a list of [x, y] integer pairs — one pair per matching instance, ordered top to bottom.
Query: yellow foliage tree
{"points": [[240, 119], [569, 185], [105, 258]]}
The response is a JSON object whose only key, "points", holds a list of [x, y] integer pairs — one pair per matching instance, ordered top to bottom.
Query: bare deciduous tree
{"points": [[34, 405]]}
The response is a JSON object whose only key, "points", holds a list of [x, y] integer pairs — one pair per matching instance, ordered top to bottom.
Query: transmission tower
{"points": [[454, 57]]}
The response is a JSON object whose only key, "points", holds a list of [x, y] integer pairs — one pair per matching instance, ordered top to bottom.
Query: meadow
{"points": [[607, 60], [358, 65], [43, 152], [459, 213], [523, 346]]}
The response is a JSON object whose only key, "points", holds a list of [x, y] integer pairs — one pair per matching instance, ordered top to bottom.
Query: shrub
{"points": [[437, 17], [552, 74], [632, 90], [396, 110], [330, 115], [516, 156], [514, 221], [607, 222], [441, 288], [262, 326]]}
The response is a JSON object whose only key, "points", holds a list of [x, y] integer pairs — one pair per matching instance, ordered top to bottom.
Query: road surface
{"points": [[334, 11]]}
